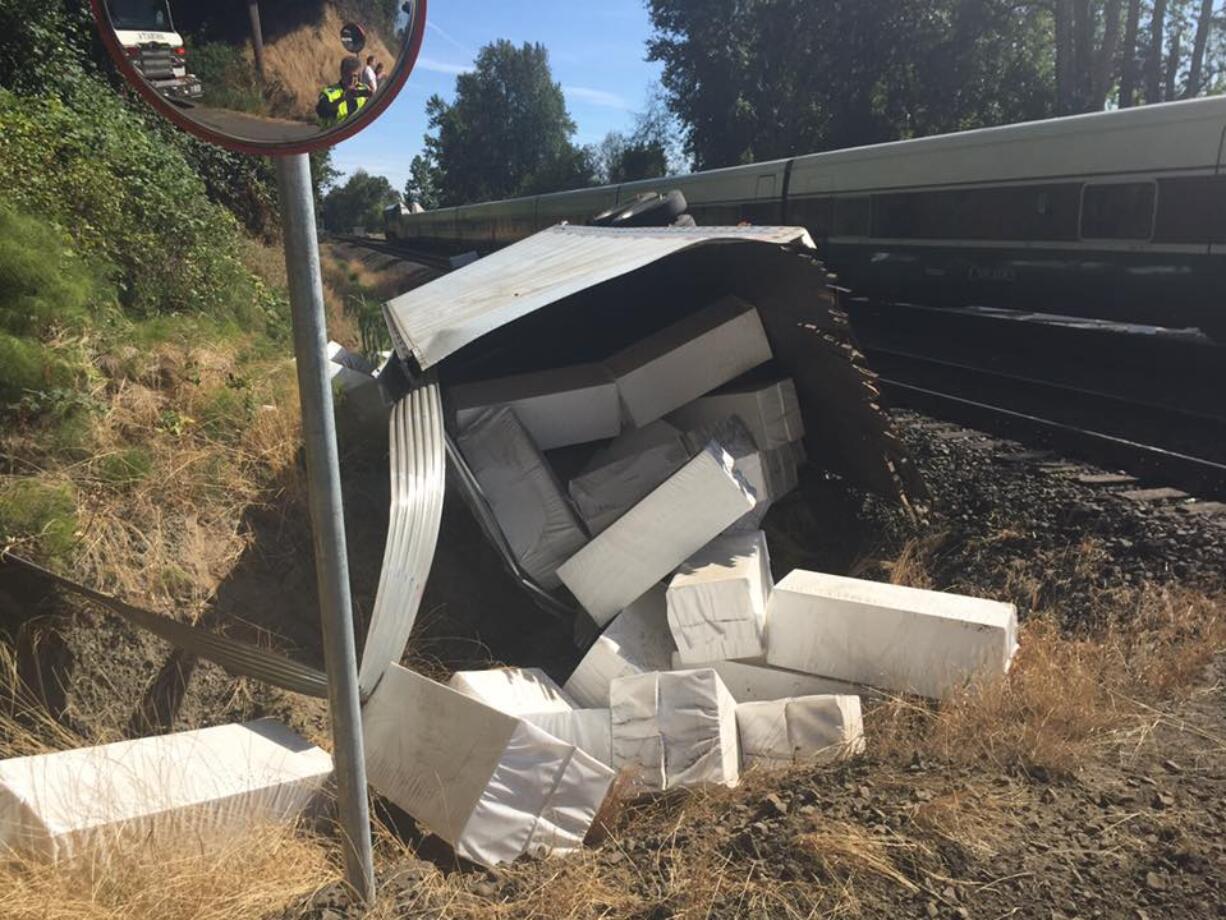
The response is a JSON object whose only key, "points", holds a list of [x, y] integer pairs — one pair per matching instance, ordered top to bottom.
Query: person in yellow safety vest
{"points": [[340, 100]]}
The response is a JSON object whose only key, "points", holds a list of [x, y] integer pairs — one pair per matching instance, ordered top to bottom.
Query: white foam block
{"points": [[689, 358], [359, 399], [570, 405], [770, 411], [626, 471], [769, 474], [523, 494], [655, 536], [717, 600], [637, 640], [905, 640], [751, 681], [515, 691], [533, 695], [675, 728], [589, 730], [779, 733], [492, 785], [185, 786]]}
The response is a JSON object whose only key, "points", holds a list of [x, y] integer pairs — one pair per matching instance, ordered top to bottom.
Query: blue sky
{"points": [[596, 51]]}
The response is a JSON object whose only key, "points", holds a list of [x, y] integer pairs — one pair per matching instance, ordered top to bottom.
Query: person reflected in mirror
{"points": [[370, 73], [378, 75], [341, 100]]}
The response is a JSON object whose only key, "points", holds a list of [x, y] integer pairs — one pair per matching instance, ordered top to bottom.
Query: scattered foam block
{"points": [[689, 358], [359, 399], [570, 405], [770, 411], [626, 471], [770, 474], [526, 499], [655, 536], [717, 600], [904, 640], [636, 641], [752, 681], [515, 691], [532, 695], [675, 728], [590, 730], [779, 733], [212, 782], [492, 785]]}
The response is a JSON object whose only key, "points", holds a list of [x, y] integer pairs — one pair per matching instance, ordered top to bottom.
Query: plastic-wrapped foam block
{"points": [[689, 358], [359, 399], [569, 405], [771, 411], [626, 471], [769, 474], [523, 494], [655, 536], [717, 600], [900, 639], [637, 640], [751, 681], [515, 691], [532, 695], [675, 728], [589, 730], [779, 733], [193, 785], [492, 785]]}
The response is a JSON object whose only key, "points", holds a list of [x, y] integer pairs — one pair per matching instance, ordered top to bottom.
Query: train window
{"points": [[1191, 209], [1118, 211], [1004, 212], [814, 213], [852, 216]]}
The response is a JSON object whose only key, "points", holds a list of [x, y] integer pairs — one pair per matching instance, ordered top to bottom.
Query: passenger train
{"points": [[1119, 215]]}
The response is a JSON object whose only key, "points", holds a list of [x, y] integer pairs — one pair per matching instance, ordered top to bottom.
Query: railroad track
{"points": [[428, 259], [1184, 449]]}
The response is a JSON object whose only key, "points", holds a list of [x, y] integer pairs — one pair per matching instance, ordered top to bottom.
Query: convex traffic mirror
{"points": [[265, 76]]}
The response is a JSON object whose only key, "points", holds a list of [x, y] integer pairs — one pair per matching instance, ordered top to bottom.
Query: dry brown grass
{"points": [[1066, 695], [249, 875]]}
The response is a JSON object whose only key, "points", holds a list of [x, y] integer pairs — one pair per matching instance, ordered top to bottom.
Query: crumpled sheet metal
{"points": [[418, 463]]}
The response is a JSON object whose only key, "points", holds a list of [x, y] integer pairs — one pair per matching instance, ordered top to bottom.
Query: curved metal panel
{"points": [[417, 463]]}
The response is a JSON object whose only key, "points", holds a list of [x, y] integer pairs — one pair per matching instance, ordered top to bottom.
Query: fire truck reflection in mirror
{"points": [[265, 76]]}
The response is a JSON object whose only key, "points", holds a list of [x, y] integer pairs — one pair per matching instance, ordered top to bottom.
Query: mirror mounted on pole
{"points": [[269, 77]]}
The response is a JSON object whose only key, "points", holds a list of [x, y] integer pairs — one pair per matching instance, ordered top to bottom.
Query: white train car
{"points": [[1120, 215]]}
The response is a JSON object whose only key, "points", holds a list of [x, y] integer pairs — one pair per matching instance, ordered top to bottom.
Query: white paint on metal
{"points": [[439, 318], [418, 473]]}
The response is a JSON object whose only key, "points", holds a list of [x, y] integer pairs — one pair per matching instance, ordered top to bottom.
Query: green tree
{"points": [[506, 133], [624, 159], [421, 186], [359, 202]]}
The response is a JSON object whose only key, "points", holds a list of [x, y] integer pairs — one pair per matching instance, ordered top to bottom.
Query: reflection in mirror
{"points": [[265, 72]]}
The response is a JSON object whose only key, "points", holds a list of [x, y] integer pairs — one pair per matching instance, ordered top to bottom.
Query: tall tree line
{"points": [[755, 79]]}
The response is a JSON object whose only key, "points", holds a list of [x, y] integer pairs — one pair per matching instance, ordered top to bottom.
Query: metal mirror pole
{"points": [[327, 520]]}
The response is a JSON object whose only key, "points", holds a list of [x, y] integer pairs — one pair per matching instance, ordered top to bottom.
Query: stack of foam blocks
{"points": [[704, 665]]}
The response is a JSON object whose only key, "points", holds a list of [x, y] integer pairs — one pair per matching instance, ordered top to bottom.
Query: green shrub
{"points": [[127, 195], [43, 282], [34, 372], [124, 467], [45, 512]]}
